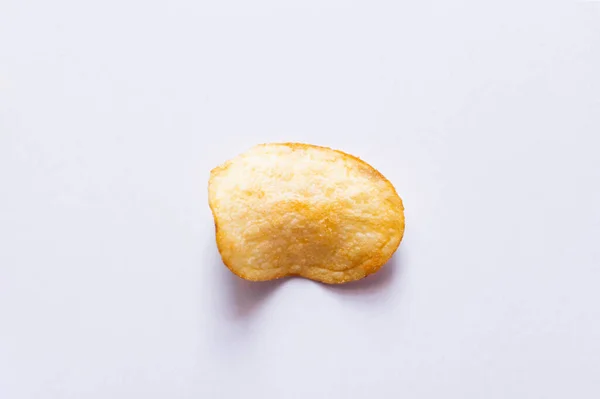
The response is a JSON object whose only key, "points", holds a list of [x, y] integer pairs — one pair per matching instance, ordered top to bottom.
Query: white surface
{"points": [[485, 117]]}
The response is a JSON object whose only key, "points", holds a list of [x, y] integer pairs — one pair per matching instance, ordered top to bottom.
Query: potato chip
{"points": [[298, 209]]}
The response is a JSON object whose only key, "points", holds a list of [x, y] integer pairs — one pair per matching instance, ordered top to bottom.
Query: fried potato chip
{"points": [[299, 209]]}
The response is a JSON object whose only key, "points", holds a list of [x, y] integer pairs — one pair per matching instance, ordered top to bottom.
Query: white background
{"points": [[486, 117]]}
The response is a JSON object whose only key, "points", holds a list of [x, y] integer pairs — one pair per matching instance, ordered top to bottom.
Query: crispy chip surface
{"points": [[299, 209]]}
